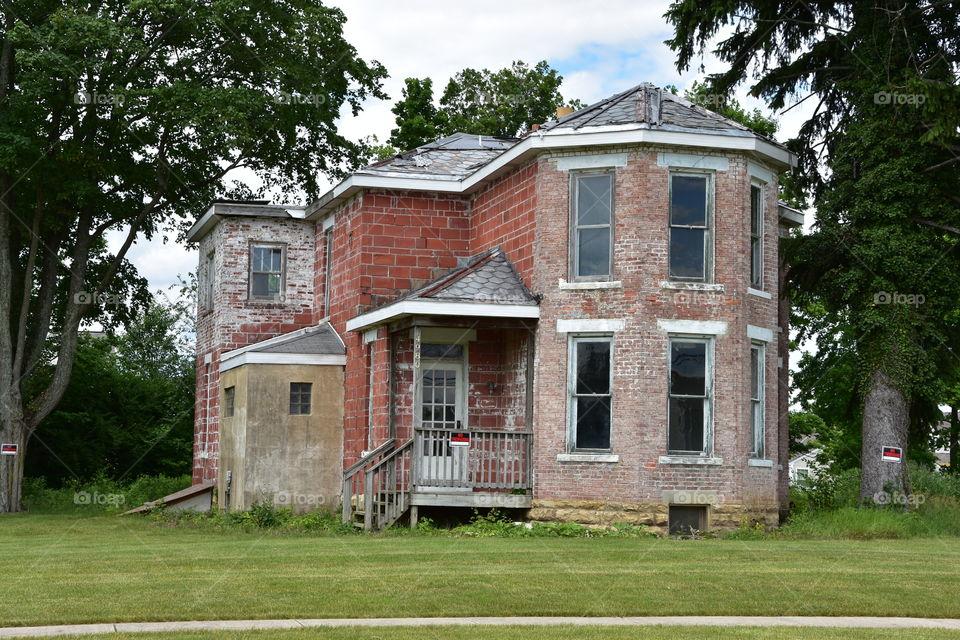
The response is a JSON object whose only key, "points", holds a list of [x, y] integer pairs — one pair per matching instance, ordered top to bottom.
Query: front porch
{"points": [[457, 409]]}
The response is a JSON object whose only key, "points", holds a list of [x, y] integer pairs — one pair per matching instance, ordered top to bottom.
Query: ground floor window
{"points": [[590, 392], [300, 393], [229, 395], [689, 396], [756, 400]]}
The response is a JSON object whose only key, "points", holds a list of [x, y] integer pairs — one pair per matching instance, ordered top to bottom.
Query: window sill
{"points": [[589, 285], [691, 286], [758, 293], [587, 457], [694, 460], [756, 462]]}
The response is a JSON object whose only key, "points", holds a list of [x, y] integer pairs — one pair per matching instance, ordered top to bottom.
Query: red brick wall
{"points": [[504, 213]]}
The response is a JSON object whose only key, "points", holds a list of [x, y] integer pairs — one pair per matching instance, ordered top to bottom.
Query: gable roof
{"points": [[487, 285]]}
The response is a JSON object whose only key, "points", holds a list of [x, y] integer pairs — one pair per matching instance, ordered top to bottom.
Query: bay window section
{"points": [[690, 219], [592, 223], [590, 392], [689, 407]]}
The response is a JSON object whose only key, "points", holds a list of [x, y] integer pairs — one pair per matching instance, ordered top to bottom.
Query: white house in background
{"points": [[802, 467]]}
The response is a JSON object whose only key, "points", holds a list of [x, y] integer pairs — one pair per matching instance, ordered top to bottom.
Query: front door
{"points": [[441, 413]]}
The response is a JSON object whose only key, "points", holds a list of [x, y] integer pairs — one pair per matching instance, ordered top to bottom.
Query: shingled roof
{"points": [[652, 106], [455, 156], [487, 278], [314, 340]]}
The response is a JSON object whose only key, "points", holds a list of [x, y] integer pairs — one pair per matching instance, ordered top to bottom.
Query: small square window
{"points": [[267, 277], [300, 393], [229, 395], [685, 520]]}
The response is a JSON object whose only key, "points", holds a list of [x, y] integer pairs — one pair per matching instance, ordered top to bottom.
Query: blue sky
{"points": [[600, 48]]}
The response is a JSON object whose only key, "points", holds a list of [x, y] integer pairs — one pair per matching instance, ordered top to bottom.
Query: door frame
{"points": [[460, 365]]}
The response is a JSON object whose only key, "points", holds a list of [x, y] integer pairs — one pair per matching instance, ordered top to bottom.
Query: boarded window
{"points": [[592, 224], [689, 227], [756, 237], [266, 271], [327, 271], [590, 392], [300, 393], [229, 395], [689, 405]]}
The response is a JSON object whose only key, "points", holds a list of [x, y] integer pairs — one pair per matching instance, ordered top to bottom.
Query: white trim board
{"points": [[595, 161], [692, 161], [431, 308], [591, 325], [693, 327], [759, 334], [256, 357]]}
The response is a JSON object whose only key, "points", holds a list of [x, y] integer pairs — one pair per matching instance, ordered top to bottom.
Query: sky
{"points": [[600, 48]]}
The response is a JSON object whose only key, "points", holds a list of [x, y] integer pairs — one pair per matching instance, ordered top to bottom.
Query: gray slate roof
{"points": [[650, 105], [454, 157], [487, 278], [315, 340]]}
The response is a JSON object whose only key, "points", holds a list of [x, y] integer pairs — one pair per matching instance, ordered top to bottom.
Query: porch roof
{"points": [[487, 286]]}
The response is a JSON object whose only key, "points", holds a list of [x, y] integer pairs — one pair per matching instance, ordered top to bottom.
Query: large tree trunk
{"points": [[886, 417], [11, 467]]}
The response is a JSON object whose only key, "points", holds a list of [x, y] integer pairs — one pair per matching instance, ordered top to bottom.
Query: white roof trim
{"points": [[558, 139], [441, 308], [281, 338], [256, 357]]}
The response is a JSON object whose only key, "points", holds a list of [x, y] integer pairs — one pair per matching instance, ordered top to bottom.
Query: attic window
{"points": [[267, 273]]}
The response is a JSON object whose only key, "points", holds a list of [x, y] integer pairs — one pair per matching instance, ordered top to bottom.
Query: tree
{"points": [[490, 103], [729, 107], [127, 116], [418, 119], [878, 155]]}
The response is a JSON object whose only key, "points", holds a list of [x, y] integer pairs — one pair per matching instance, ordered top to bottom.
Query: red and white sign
{"points": [[459, 439], [9, 449], [892, 454]]}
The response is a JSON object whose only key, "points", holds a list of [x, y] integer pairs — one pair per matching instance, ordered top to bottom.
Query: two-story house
{"points": [[585, 322]]}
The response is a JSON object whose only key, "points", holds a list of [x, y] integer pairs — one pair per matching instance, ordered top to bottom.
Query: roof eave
{"points": [[404, 308]]}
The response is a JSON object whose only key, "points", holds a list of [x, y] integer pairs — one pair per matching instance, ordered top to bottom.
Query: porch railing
{"points": [[492, 459], [386, 494]]}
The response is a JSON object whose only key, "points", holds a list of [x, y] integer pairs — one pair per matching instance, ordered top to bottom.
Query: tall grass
{"points": [[99, 495]]}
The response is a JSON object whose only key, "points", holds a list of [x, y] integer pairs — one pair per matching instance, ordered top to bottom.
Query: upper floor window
{"points": [[691, 205], [592, 225], [756, 236], [327, 270], [267, 277], [206, 295], [590, 392], [300, 393], [690, 396], [757, 430]]}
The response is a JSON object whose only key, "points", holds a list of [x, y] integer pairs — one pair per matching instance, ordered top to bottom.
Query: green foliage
{"points": [[506, 102], [128, 409], [805, 428], [99, 494], [496, 523], [747, 531]]}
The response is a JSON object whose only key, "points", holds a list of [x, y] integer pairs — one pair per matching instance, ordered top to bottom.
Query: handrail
{"points": [[365, 459], [353, 470], [384, 496]]}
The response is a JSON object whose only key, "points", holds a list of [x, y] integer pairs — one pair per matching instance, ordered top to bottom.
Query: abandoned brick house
{"points": [[585, 322]]}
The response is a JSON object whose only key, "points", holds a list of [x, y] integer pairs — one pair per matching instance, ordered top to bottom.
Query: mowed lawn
{"points": [[64, 569]]}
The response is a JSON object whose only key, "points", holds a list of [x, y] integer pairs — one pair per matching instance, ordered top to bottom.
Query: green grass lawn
{"points": [[65, 569], [549, 633]]}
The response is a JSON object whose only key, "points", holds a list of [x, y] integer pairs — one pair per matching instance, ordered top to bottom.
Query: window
{"points": [[592, 197], [690, 215], [756, 236], [266, 271], [327, 271], [207, 295], [590, 392], [229, 394], [300, 398], [756, 400], [689, 405], [683, 521]]}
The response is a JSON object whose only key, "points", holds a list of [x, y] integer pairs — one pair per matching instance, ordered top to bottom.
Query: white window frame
{"points": [[575, 177], [756, 235], [708, 236], [327, 270], [283, 271], [209, 272], [572, 341], [758, 431], [707, 449]]}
